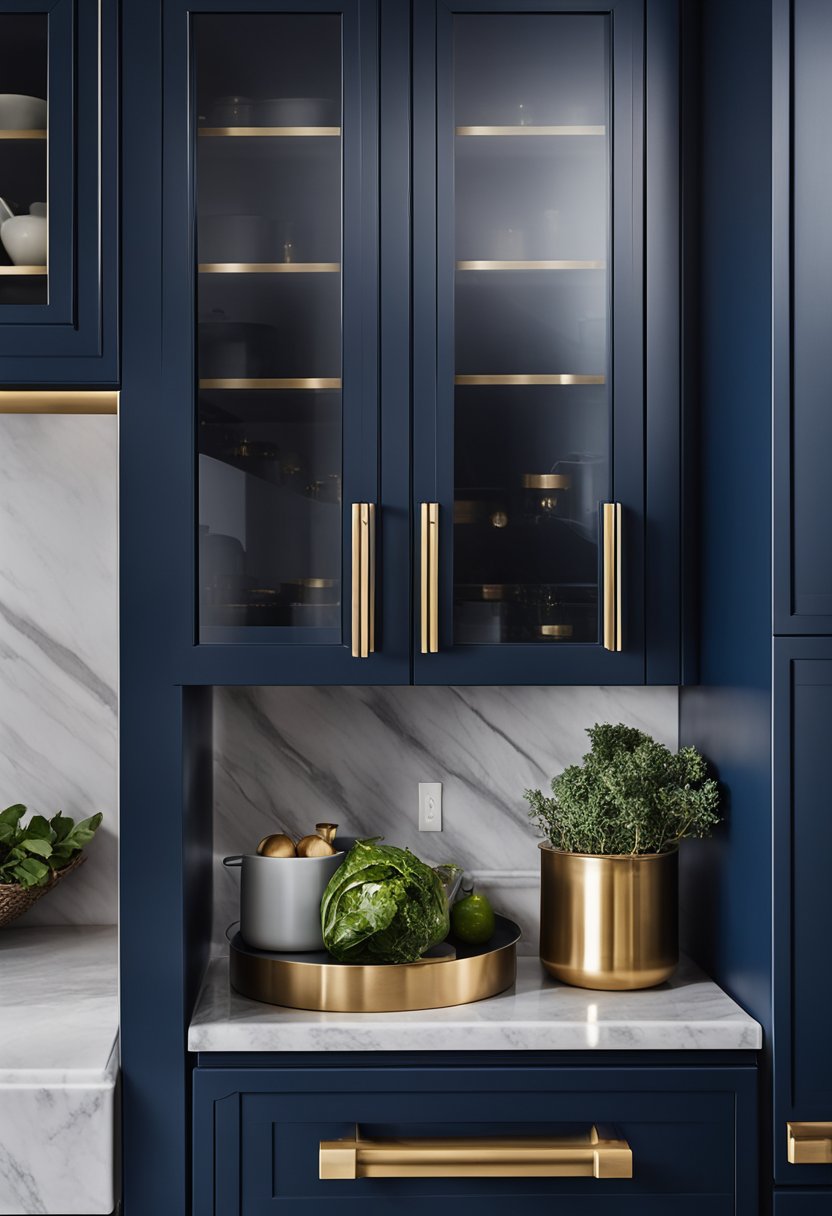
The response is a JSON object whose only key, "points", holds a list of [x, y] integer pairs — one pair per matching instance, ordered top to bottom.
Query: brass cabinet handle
{"points": [[612, 575], [430, 577], [363, 579], [809, 1143], [593, 1155]]}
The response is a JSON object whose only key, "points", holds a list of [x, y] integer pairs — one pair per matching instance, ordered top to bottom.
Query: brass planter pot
{"points": [[609, 922]]}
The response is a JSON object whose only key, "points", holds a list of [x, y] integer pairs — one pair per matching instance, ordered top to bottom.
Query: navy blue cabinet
{"points": [[59, 172], [802, 304], [258, 1132], [802, 1203]]}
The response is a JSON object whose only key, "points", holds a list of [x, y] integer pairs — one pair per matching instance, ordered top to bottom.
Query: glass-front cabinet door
{"points": [[58, 167], [274, 287], [528, 408]]}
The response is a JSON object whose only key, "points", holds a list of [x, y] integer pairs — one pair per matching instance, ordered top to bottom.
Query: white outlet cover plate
{"points": [[430, 806]]}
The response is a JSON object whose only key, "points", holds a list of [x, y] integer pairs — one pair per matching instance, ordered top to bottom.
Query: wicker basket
{"points": [[15, 900]]}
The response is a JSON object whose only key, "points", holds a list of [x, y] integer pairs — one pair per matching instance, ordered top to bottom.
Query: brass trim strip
{"points": [[556, 130], [263, 132], [31, 133], [546, 264], [269, 267], [18, 270], [560, 378], [305, 382], [59, 401], [612, 576], [423, 577], [363, 579], [429, 583], [809, 1143], [591, 1155]]}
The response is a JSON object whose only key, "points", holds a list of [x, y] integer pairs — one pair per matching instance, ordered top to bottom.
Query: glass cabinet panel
{"points": [[23, 158], [269, 348], [532, 411]]}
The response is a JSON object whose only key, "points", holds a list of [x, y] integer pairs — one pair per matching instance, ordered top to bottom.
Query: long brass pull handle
{"points": [[612, 575], [430, 577], [363, 579], [809, 1143], [593, 1155]]}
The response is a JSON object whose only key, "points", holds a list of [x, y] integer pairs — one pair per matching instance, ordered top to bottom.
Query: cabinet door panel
{"points": [[58, 163], [802, 303], [528, 377], [803, 847]]}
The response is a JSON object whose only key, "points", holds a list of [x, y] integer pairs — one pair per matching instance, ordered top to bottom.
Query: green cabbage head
{"points": [[383, 905]]}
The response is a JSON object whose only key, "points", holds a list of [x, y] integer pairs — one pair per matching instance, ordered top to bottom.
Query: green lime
{"points": [[472, 920]]}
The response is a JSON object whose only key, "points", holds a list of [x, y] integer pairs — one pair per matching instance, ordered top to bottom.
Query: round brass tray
{"points": [[453, 976]]}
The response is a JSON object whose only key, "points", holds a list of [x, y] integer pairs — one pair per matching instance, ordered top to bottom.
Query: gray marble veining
{"points": [[59, 640], [286, 758], [689, 1012], [58, 1069]]}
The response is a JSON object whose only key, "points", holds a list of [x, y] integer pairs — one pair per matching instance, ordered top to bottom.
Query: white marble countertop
{"points": [[536, 1014], [58, 1068]]}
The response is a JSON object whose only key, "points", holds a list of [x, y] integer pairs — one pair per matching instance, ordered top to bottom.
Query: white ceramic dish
{"points": [[21, 113], [24, 238], [280, 900]]}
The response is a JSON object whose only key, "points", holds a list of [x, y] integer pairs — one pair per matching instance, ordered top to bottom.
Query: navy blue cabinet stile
{"points": [[59, 319]]}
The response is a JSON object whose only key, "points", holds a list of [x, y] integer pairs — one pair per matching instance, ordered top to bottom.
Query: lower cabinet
{"points": [[629, 1141]]}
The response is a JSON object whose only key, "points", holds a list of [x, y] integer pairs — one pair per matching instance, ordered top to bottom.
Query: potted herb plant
{"points": [[36, 855], [609, 865]]}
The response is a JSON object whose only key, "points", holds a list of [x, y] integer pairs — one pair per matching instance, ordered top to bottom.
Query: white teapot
{"points": [[24, 237]]}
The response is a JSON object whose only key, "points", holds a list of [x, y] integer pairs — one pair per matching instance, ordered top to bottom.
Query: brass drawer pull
{"points": [[612, 575], [430, 577], [363, 579], [809, 1143], [593, 1155]]}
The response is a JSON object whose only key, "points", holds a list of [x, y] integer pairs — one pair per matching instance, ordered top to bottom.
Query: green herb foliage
{"points": [[630, 795], [30, 853], [383, 905]]}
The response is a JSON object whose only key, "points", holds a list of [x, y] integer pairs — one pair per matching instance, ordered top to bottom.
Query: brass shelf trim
{"points": [[546, 130], [267, 132], [23, 134], [546, 264], [269, 267], [15, 271], [561, 378], [291, 382], [61, 401], [809, 1143], [596, 1154]]}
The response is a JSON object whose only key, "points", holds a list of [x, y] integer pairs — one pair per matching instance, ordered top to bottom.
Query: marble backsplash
{"points": [[59, 640], [286, 758]]}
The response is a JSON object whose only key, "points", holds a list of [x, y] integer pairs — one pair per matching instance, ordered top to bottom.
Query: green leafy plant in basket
{"points": [[31, 853]]}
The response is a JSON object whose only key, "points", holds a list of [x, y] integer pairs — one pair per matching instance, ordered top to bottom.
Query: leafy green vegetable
{"points": [[630, 795], [30, 853], [383, 905]]}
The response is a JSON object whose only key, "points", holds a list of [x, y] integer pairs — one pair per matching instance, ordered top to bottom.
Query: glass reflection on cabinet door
{"points": [[23, 158], [268, 161], [532, 410]]}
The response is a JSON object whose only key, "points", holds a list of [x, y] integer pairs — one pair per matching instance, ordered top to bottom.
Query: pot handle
{"points": [[233, 862]]}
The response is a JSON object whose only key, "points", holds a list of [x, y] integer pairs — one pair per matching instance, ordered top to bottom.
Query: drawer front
{"points": [[258, 1135], [803, 1203]]}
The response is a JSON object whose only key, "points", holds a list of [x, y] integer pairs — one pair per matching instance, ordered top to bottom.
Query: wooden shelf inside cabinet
{"points": [[503, 131], [267, 132], [22, 134], [546, 264], [269, 267], [15, 271], [560, 378], [285, 383]]}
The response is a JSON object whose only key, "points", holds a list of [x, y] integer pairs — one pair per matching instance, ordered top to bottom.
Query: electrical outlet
{"points": [[430, 806]]}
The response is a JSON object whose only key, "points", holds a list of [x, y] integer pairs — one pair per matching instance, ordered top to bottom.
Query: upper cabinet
{"points": [[58, 174], [802, 305], [403, 342]]}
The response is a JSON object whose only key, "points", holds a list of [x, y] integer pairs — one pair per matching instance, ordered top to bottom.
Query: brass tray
{"points": [[455, 975]]}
